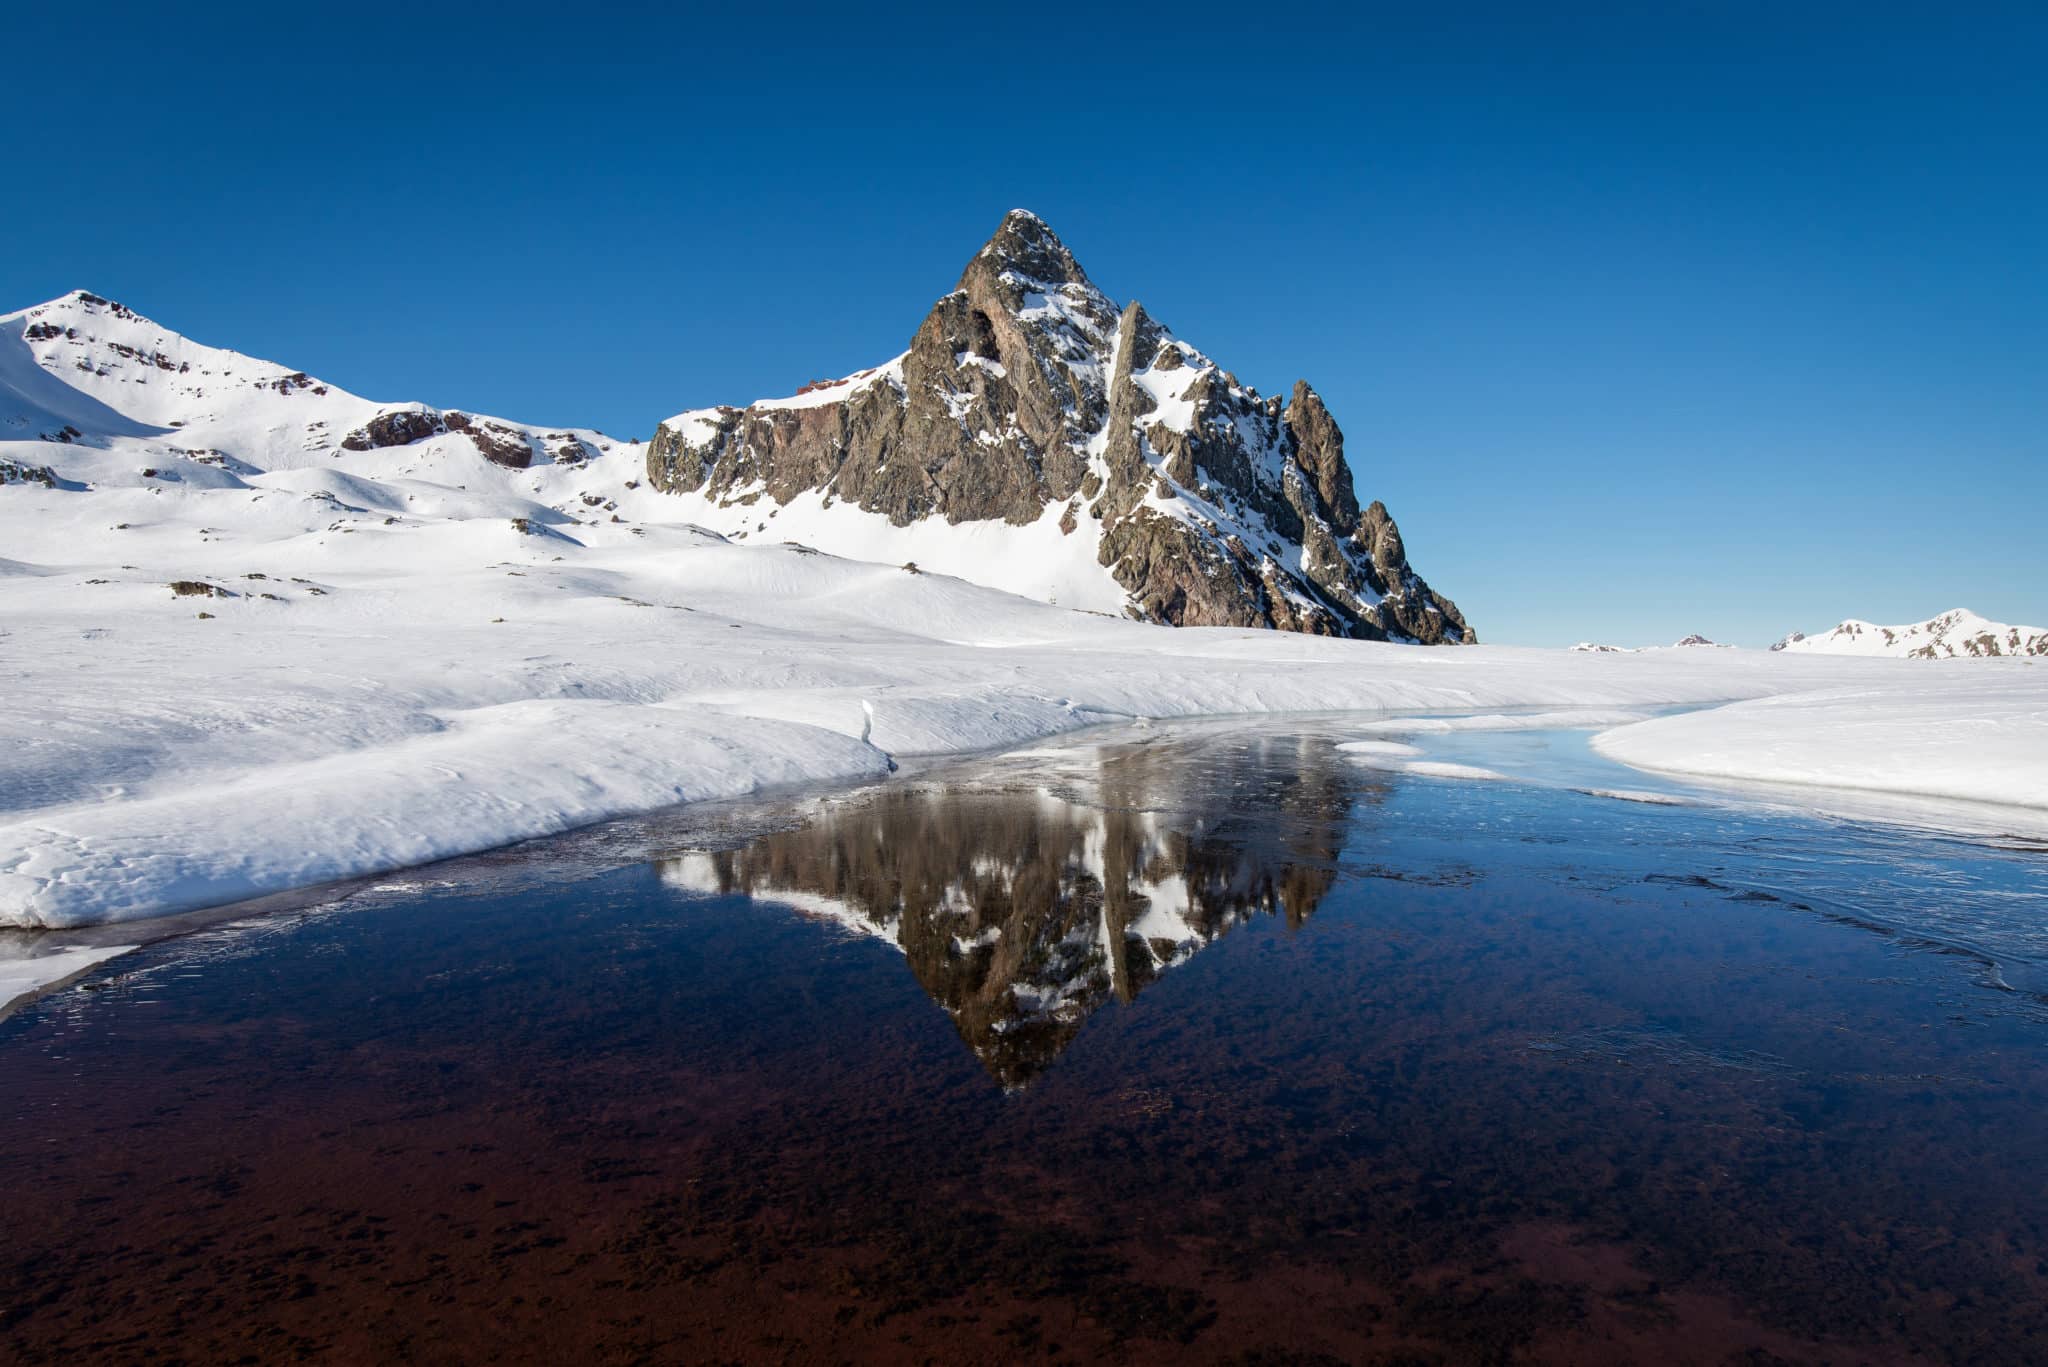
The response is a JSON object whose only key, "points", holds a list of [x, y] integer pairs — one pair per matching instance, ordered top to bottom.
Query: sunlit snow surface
{"points": [[413, 653]]}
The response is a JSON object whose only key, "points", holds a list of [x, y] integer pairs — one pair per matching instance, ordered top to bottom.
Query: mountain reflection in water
{"points": [[1024, 905]]}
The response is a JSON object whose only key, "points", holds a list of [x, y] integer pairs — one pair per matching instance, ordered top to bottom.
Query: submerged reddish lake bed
{"points": [[1205, 1044]]}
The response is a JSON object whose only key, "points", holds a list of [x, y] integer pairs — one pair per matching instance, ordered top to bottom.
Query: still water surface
{"points": [[1195, 1044]]}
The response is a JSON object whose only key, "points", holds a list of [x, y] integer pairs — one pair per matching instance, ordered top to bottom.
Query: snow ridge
{"points": [[1955, 634]]}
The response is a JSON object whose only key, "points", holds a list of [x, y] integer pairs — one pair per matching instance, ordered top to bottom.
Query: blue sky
{"points": [[1723, 318]]}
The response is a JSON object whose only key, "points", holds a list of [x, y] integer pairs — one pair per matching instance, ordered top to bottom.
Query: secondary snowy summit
{"points": [[88, 373], [1038, 438], [1957, 633]]}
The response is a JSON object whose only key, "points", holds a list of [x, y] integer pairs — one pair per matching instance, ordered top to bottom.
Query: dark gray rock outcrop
{"points": [[515, 448]]}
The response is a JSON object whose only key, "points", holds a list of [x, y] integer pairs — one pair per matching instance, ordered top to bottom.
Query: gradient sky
{"points": [[1642, 319]]}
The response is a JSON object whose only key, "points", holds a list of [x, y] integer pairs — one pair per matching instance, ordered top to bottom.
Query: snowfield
{"points": [[239, 656], [453, 686], [1961, 732]]}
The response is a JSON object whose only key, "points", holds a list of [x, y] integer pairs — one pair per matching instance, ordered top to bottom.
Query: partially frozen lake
{"points": [[1211, 1042]]}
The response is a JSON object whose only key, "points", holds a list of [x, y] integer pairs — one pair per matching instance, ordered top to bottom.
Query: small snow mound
{"points": [[1571, 719], [1379, 747], [1429, 768], [1640, 795]]}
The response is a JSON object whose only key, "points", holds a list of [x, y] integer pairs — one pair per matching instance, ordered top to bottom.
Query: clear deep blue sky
{"points": [[1643, 319]]}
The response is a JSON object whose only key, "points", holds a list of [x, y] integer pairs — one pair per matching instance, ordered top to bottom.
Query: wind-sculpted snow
{"points": [[1976, 734]]}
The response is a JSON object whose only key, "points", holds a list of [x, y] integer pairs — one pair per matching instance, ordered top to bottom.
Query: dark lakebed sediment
{"points": [[1202, 1044]]}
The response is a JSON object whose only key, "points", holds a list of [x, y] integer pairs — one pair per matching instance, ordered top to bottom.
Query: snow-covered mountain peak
{"points": [[1026, 248], [82, 325], [83, 367], [85, 370], [142, 434], [1037, 437], [1956, 634]]}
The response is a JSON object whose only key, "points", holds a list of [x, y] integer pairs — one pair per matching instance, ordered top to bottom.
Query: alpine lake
{"points": [[1189, 1043]]}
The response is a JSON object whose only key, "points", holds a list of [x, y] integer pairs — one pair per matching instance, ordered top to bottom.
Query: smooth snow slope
{"points": [[390, 655], [1973, 734]]}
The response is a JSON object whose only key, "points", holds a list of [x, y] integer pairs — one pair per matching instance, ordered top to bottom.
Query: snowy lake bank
{"points": [[255, 703], [1544, 748], [156, 760]]}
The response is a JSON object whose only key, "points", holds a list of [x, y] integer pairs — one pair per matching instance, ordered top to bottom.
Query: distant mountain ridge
{"points": [[1038, 437], [1955, 634], [1683, 643]]}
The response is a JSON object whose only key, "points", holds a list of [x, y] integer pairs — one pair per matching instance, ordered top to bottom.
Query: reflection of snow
{"points": [[691, 873], [1022, 910]]}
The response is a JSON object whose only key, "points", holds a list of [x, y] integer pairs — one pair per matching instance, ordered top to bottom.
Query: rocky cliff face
{"points": [[1029, 399]]}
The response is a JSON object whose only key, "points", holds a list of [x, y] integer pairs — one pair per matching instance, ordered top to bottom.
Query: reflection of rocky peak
{"points": [[1110, 456], [1022, 912]]}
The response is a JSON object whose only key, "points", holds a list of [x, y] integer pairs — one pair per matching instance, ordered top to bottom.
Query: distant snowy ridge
{"points": [[1955, 634], [1683, 643]]}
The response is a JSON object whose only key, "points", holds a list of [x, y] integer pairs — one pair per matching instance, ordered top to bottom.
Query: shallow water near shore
{"points": [[1198, 1043]]}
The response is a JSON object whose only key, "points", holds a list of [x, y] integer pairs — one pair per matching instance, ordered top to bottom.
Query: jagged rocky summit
{"points": [[1043, 439]]}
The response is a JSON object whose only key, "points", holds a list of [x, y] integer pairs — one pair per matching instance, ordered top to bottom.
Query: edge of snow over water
{"points": [[448, 690], [1964, 732]]}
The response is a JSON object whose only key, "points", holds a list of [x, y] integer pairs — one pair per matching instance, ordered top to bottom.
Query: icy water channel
{"points": [[1193, 1044]]}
